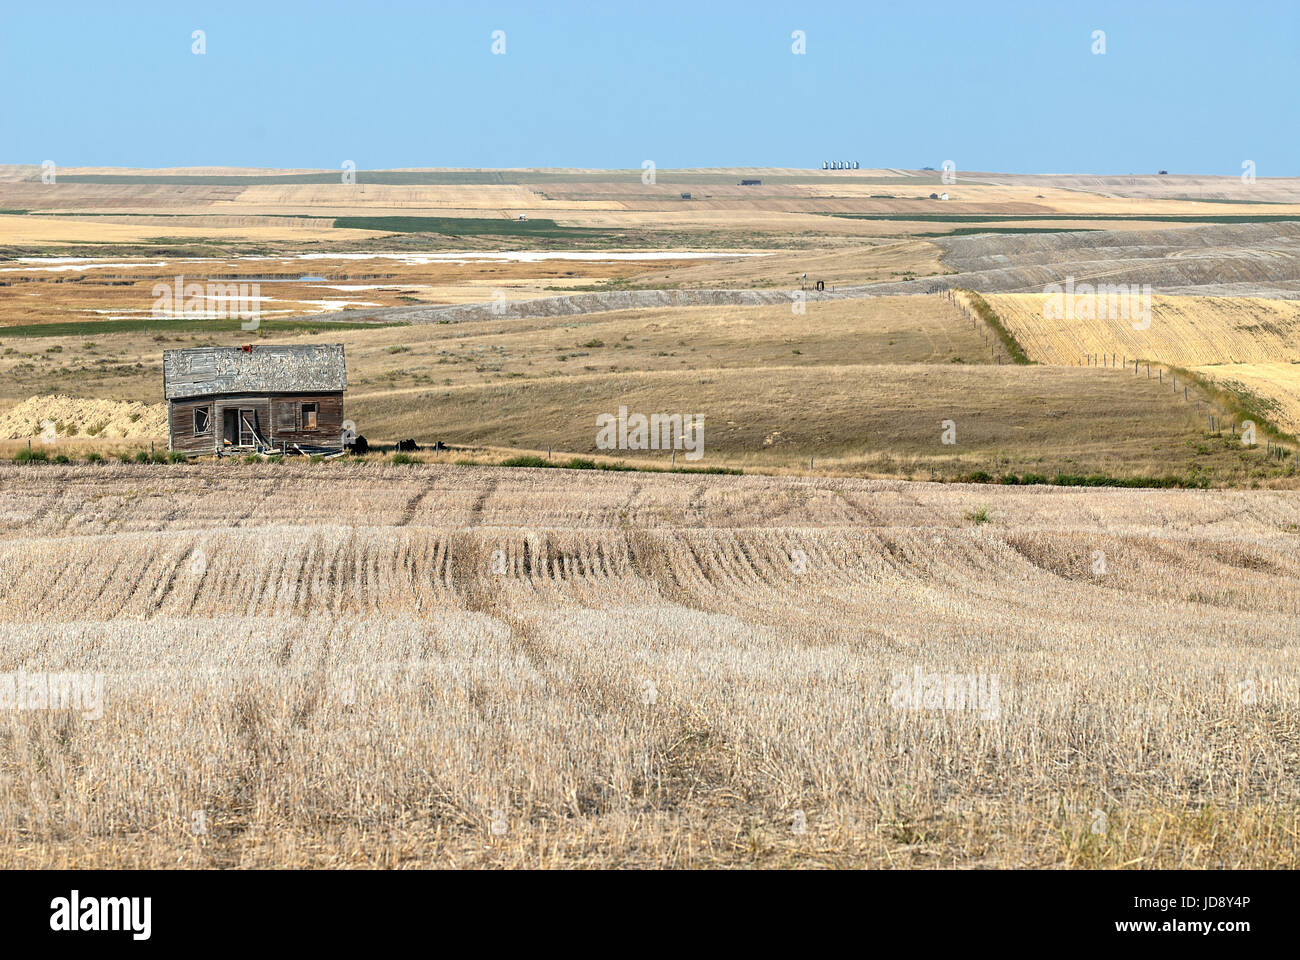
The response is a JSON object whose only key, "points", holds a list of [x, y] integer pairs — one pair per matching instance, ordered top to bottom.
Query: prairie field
{"points": [[790, 208], [53, 294], [1184, 331], [1247, 346], [1275, 385], [859, 387], [938, 591], [361, 665]]}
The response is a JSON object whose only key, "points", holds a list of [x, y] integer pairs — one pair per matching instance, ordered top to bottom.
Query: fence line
{"points": [[1273, 450]]}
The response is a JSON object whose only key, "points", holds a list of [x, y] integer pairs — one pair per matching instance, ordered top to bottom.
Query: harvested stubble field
{"points": [[1184, 331], [1249, 346], [1276, 385], [337, 665]]}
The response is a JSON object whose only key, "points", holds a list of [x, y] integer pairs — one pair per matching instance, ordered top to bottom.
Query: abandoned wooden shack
{"points": [[256, 398]]}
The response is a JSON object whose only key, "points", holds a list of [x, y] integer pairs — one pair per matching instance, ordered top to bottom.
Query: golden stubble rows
{"points": [[451, 667]]}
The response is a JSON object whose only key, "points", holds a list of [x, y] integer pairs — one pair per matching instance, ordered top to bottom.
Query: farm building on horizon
{"points": [[255, 398]]}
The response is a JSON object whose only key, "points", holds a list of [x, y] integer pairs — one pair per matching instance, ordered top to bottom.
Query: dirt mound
{"points": [[77, 417]]}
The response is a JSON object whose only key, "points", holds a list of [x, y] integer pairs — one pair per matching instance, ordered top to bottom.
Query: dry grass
{"points": [[1184, 331], [1249, 346], [1277, 384], [861, 386], [878, 420], [323, 664]]}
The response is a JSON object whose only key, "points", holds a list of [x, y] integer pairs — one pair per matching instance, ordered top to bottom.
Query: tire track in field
{"points": [[480, 502], [413, 504]]}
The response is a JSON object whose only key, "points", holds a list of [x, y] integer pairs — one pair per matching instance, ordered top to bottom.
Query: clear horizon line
{"points": [[864, 170]]}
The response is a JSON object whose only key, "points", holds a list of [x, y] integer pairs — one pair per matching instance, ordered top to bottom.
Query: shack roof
{"points": [[269, 368]]}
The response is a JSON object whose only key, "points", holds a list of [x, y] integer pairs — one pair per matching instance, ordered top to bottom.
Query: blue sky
{"points": [[1192, 87]]}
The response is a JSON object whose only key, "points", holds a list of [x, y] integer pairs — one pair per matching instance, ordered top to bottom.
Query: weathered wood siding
{"points": [[276, 418], [289, 425], [181, 427]]}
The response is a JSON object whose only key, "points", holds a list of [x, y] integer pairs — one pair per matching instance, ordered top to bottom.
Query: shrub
{"points": [[986, 314], [30, 456], [175, 456], [141, 457], [94, 458], [61, 459], [400, 459], [724, 471]]}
